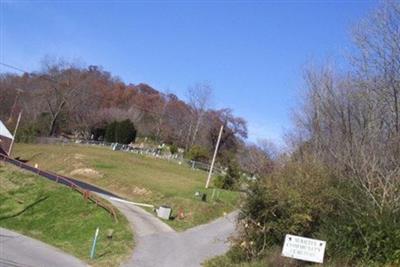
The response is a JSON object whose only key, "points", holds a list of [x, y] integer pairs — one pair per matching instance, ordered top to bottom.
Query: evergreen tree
{"points": [[110, 132], [125, 132]]}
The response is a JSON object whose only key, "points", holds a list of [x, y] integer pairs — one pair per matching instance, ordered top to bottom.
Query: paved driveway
{"points": [[158, 245], [17, 250]]}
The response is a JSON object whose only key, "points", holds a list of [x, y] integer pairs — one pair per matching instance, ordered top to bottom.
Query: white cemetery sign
{"points": [[305, 249]]}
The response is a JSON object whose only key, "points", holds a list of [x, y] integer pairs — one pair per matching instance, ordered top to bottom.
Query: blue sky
{"points": [[251, 52]]}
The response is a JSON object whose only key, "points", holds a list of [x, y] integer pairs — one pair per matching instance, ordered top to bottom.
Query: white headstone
{"points": [[303, 248]]}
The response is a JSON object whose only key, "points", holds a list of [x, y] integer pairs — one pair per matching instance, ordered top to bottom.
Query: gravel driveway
{"points": [[158, 245]]}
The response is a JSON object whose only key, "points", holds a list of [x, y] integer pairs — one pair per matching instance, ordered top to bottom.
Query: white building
{"points": [[5, 139]]}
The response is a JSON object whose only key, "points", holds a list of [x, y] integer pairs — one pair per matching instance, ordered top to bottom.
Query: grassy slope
{"points": [[135, 177], [60, 217], [277, 260], [224, 261]]}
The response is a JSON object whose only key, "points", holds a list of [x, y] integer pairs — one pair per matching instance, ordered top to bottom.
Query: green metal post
{"points": [[93, 250]]}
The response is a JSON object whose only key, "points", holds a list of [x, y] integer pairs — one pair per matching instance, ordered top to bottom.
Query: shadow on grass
{"points": [[25, 209]]}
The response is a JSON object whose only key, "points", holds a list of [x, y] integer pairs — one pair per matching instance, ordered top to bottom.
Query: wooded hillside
{"points": [[64, 98]]}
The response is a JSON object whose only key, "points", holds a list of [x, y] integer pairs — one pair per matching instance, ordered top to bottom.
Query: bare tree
{"points": [[378, 60], [59, 88], [199, 100], [351, 120], [349, 129], [254, 160]]}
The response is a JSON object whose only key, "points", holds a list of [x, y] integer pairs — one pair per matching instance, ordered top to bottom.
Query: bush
{"points": [[42, 123], [27, 134], [173, 149], [198, 153], [232, 176], [230, 179], [219, 181], [306, 199], [290, 201], [361, 232]]}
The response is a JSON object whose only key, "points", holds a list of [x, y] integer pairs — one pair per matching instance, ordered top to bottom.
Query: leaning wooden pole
{"points": [[15, 133], [214, 156]]}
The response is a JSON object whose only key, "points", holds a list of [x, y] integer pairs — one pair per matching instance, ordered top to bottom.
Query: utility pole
{"points": [[19, 91], [15, 133], [214, 156]]}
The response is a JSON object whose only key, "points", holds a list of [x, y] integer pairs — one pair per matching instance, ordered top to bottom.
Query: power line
{"points": [[13, 67], [25, 71], [49, 78]]}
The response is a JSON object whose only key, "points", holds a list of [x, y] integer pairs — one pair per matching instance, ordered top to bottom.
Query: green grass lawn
{"points": [[137, 178], [59, 216], [224, 261]]}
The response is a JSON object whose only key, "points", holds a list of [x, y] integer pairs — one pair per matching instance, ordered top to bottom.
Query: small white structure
{"points": [[6, 139], [164, 212]]}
